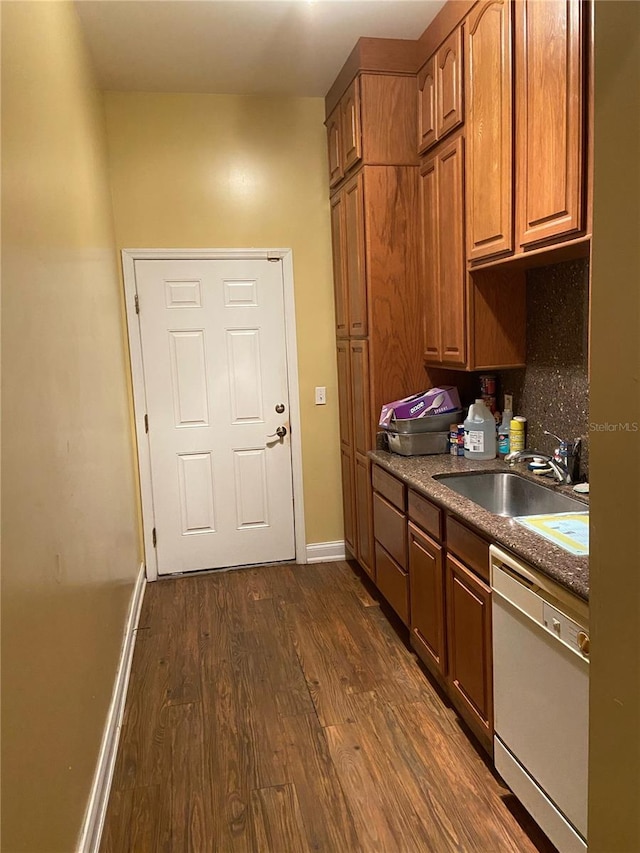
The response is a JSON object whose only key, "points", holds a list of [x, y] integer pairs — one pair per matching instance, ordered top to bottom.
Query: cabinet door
{"points": [[449, 103], [427, 106], [549, 113], [351, 134], [489, 139], [334, 142], [338, 239], [451, 255], [354, 256], [429, 259], [344, 394], [360, 396], [349, 499], [364, 547], [393, 582], [426, 582], [469, 647]]}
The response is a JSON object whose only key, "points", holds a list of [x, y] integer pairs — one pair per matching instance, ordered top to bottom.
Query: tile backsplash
{"points": [[552, 391]]}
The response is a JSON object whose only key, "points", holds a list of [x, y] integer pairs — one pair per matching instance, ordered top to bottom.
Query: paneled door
{"points": [[215, 376]]}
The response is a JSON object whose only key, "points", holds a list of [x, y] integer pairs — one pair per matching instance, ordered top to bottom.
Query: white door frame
{"points": [[129, 256]]}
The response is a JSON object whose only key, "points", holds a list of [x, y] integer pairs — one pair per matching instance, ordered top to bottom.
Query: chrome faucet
{"points": [[564, 463], [560, 470]]}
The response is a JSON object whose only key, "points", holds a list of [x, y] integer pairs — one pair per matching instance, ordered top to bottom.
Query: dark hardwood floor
{"points": [[277, 709]]}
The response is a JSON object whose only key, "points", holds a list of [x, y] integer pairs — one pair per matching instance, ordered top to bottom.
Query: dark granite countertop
{"points": [[418, 472]]}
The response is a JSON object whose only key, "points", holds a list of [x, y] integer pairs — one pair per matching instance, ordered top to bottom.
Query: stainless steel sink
{"points": [[504, 493]]}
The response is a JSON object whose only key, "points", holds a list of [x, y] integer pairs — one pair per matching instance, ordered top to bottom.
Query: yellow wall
{"points": [[223, 171], [69, 545], [614, 763]]}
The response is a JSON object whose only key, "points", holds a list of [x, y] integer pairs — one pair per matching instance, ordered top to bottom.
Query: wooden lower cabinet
{"points": [[349, 500], [364, 518], [434, 571], [393, 582], [427, 620], [468, 629]]}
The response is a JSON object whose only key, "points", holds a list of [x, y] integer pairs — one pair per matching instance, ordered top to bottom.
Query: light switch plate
{"points": [[321, 395]]}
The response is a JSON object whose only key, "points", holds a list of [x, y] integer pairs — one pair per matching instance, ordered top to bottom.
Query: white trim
{"points": [[129, 257], [325, 552], [93, 823]]}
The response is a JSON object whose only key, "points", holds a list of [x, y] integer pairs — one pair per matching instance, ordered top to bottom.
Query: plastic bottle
{"points": [[504, 431], [479, 432]]}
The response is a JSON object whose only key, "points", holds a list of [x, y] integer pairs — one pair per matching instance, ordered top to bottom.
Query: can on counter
{"points": [[488, 384], [517, 433], [453, 439]]}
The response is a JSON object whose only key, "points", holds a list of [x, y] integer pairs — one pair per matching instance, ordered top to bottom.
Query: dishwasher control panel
{"points": [[565, 629]]}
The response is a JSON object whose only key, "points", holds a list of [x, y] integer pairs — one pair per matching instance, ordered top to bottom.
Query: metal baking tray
{"points": [[418, 443]]}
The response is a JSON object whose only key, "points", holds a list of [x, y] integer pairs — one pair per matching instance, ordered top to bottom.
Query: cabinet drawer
{"points": [[393, 489], [425, 514], [390, 529], [468, 546], [393, 583]]}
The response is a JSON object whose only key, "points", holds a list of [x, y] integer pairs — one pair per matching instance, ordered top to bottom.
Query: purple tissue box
{"points": [[419, 405]]}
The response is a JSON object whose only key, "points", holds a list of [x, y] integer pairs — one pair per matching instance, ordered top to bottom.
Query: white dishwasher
{"points": [[541, 697]]}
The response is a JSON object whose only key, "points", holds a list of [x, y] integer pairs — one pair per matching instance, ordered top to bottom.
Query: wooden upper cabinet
{"points": [[550, 58], [440, 92], [449, 97], [350, 118], [427, 133], [489, 135], [334, 143], [338, 239], [354, 249], [451, 252], [430, 262], [443, 266]]}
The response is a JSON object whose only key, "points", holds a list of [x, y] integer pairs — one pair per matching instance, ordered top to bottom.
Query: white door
{"points": [[215, 375]]}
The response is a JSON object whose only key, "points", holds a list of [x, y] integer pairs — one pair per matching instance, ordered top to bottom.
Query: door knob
{"points": [[280, 432]]}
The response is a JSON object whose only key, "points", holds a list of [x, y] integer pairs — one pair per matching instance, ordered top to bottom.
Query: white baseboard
{"points": [[325, 552], [92, 826]]}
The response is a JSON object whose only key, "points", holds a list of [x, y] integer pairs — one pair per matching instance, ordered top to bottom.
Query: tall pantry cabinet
{"points": [[374, 197]]}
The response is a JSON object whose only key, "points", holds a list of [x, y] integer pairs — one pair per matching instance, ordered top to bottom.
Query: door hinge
{"points": [[137, 303], [146, 423], [154, 538]]}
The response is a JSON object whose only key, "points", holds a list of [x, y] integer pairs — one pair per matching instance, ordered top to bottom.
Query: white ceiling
{"points": [[259, 47]]}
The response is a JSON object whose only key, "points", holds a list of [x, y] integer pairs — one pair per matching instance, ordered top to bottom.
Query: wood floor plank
{"points": [[183, 645], [144, 752], [230, 758], [362, 790], [190, 791], [325, 814], [277, 820], [117, 825]]}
